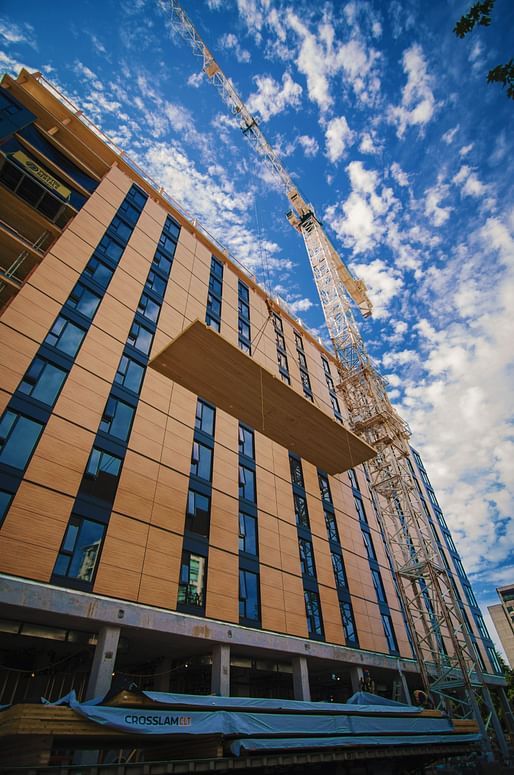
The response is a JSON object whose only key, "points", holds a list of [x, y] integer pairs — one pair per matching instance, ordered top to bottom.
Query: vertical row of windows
{"points": [[214, 295], [243, 307], [302, 363], [283, 365], [331, 389], [31, 405], [81, 547], [336, 552], [307, 564], [457, 564], [193, 566], [376, 577], [249, 585]]}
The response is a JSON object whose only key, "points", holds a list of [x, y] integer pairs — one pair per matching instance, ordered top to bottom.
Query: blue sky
{"points": [[384, 118]]}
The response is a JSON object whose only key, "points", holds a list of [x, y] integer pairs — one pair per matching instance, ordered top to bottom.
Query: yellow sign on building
{"points": [[41, 174]]}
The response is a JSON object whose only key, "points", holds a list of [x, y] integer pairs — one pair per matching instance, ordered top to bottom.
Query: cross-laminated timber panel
{"points": [[202, 361]]}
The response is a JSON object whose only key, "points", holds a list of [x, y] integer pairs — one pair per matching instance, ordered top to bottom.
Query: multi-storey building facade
{"points": [[147, 531], [503, 620]]}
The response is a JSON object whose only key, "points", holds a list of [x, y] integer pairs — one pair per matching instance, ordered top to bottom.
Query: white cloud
{"points": [[15, 34], [230, 41], [195, 79], [272, 98], [418, 103], [338, 136], [449, 136], [369, 144], [309, 145], [466, 149], [399, 175], [469, 182], [433, 197], [383, 283], [299, 305], [400, 358], [462, 407]]}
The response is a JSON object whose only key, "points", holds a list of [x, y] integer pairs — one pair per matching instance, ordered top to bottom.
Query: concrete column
{"points": [[220, 673], [100, 677], [162, 677], [356, 677], [301, 687], [405, 687]]}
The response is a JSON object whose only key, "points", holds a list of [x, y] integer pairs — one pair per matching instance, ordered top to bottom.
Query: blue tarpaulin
{"points": [[238, 747]]}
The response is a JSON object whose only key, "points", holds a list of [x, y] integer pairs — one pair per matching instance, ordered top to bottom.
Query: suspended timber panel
{"points": [[204, 362]]}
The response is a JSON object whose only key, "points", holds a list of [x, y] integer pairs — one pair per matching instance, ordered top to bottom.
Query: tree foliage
{"points": [[481, 14]]}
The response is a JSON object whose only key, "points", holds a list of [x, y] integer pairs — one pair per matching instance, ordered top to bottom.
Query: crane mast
{"points": [[448, 663]]}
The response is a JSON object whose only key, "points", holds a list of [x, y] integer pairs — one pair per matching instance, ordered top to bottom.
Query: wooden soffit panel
{"points": [[202, 361]]}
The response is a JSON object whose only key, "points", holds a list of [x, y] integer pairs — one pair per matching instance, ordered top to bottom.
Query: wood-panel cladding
{"points": [[142, 550]]}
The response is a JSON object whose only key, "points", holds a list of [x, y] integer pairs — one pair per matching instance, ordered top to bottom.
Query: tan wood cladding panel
{"points": [[31, 313], [16, 353], [100, 353], [83, 398], [61, 456], [135, 494], [169, 507], [37, 518], [224, 524], [122, 558], [26, 560], [222, 600], [294, 602], [273, 614], [331, 614]]}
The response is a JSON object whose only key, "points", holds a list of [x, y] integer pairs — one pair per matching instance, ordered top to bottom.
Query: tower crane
{"points": [[446, 656]]}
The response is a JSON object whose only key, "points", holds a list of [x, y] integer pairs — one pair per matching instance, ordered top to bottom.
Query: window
{"points": [[129, 213], [171, 227], [120, 229], [167, 245], [110, 248], [162, 263], [216, 268], [98, 271], [155, 283], [215, 285], [243, 292], [213, 306], [149, 308], [244, 309], [213, 323], [277, 323], [244, 329], [65, 336], [140, 338], [281, 342], [299, 343], [245, 347], [282, 361], [302, 361], [326, 367], [130, 374], [43, 381], [306, 383], [330, 383], [335, 406], [117, 419], [204, 420], [18, 438], [246, 442], [201, 461], [101, 463], [296, 471], [352, 476], [246, 484], [324, 488], [432, 497], [5, 502], [360, 510], [301, 511], [197, 514], [330, 522], [247, 533], [368, 543], [80, 549], [306, 557], [339, 573], [379, 587], [191, 590], [249, 596], [313, 612], [481, 626], [350, 631], [389, 632], [491, 653]]}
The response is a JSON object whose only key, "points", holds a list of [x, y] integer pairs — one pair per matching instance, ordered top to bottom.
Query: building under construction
{"points": [[186, 503]]}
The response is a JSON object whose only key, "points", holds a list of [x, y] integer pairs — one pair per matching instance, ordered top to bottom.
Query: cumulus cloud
{"points": [[229, 41], [272, 98], [418, 103], [338, 136], [449, 136], [309, 144], [369, 144], [469, 182], [433, 198], [383, 283], [462, 408]]}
